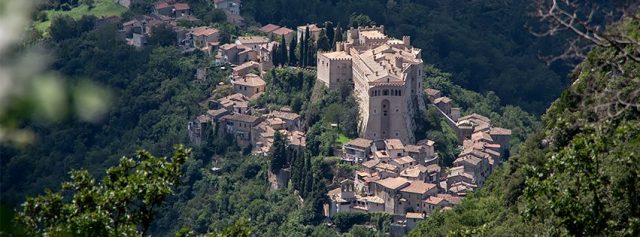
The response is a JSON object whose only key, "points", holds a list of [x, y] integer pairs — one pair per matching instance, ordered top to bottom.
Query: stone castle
{"points": [[386, 75]]}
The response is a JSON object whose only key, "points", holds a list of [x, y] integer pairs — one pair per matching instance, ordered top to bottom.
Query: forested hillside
{"points": [[486, 45], [578, 175]]}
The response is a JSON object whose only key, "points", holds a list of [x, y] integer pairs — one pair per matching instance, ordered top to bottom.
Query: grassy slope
{"points": [[101, 8]]}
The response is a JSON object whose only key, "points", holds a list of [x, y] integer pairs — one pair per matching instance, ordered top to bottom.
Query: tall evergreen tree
{"points": [[328, 28], [337, 37], [323, 41], [306, 42], [283, 53], [311, 54], [293, 60], [278, 153], [308, 177]]}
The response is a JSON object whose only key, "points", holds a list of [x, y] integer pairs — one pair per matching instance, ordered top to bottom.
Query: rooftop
{"points": [[269, 28], [312, 28], [203, 30], [282, 31], [253, 40], [251, 80], [431, 92], [443, 99], [241, 117], [499, 131], [359, 142], [393, 144], [404, 160], [370, 163], [393, 183], [418, 187], [414, 215]]}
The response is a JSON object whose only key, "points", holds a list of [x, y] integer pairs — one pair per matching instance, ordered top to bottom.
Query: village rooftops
{"points": [[181, 6], [269, 28], [312, 28], [203, 31], [282, 31], [253, 40], [251, 80], [431, 92], [443, 99], [286, 115], [475, 116], [241, 118], [499, 131], [479, 136], [297, 138], [359, 142], [426, 142], [393, 144], [412, 148], [468, 159], [404, 160], [370, 163], [387, 167], [393, 183], [418, 187], [372, 199], [434, 200], [414, 215]]}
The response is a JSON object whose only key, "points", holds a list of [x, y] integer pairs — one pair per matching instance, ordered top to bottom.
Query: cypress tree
{"points": [[328, 28], [337, 37], [323, 41], [306, 43], [282, 51], [311, 54], [293, 60], [278, 153], [308, 177]]}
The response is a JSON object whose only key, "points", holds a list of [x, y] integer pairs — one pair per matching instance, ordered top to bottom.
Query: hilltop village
{"points": [[396, 174]]}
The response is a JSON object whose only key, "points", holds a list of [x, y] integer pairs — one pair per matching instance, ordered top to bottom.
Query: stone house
{"points": [[231, 6], [170, 8], [314, 31], [283, 32], [205, 38], [253, 42], [236, 54], [245, 68], [251, 85], [432, 94], [237, 103], [444, 104], [292, 121], [240, 126], [357, 150], [388, 189], [416, 192]]}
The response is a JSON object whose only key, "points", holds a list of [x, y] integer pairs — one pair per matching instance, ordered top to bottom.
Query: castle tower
{"points": [[386, 75]]}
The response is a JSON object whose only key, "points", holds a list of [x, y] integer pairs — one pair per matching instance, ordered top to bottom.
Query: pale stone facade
{"points": [[386, 75]]}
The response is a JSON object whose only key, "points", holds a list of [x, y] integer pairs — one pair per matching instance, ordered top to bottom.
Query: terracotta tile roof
{"points": [[181, 6], [269, 28], [312, 28], [199, 31], [282, 31], [253, 40], [251, 80], [431, 92], [443, 99], [216, 112], [284, 115], [476, 116], [241, 117], [203, 119], [499, 131], [478, 136], [360, 142], [426, 142], [393, 144], [412, 148], [467, 159], [404, 160], [370, 163], [388, 167], [433, 168], [393, 183], [418, 187], [449, 198], [373, 199], [433, 200], [414, 215]]}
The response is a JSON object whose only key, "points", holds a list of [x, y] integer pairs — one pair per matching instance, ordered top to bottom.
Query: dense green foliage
{"points": [[485, 44], [154, 96], [578, 175], [124, 202]]}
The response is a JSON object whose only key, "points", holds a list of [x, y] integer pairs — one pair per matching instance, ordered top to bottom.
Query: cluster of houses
{"points": [[169, 13], [394, 176]]}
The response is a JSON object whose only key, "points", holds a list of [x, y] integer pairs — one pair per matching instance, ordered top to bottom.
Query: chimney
{"points": [[406, 40], [398, 62]]}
